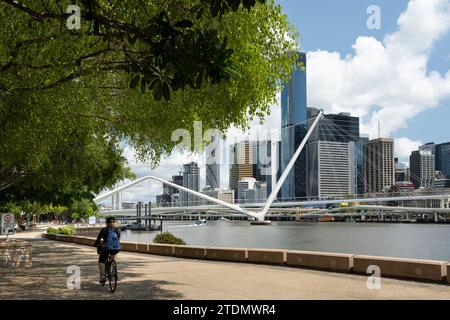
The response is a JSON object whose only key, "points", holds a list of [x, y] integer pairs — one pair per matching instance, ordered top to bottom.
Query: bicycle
{"points": [[111, 274]]}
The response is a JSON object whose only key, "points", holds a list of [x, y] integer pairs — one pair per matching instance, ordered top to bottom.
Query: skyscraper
{"points": [[341, 127], [293, 130], [341, 134], [441, 154], [442, 158], [263, 161], [213, 163], [360, 163], [241, 166], [422, 168], [379, 169], [332, 170], [401, 171], [191, 181]]}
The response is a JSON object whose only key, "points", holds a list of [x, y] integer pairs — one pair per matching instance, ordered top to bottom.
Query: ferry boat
{"points": [[201, 222]]}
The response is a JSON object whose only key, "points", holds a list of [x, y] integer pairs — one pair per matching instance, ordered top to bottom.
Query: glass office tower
{"points": [[293, 130]]}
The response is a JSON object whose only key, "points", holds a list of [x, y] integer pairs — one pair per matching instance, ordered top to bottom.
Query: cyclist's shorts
{"points": [[104, 255]]}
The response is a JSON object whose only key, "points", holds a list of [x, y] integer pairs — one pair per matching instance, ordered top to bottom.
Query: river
{"points": [[422, 241]]}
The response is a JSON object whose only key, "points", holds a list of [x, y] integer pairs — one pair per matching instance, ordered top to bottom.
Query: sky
{"points": [[397, 75]]}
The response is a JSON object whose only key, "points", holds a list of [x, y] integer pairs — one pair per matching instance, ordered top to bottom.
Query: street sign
{"points": [[92, 220], [7, 224]]}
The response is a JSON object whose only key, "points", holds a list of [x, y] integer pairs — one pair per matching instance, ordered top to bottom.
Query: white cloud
{"points": [[385, 81], [404, 146]]}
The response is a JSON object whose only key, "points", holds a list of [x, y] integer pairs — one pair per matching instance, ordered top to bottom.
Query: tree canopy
{"points": [[135, 72]]}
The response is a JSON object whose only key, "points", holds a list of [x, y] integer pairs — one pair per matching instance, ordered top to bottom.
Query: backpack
{"points": [[112, 240]]}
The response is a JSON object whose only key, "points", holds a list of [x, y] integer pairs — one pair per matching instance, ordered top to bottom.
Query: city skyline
{"points": [[331, 51]]}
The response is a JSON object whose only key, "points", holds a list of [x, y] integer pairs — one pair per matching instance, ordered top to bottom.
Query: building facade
{"points": [[340, 129], [293, 130], [441, 154], [265, 156], [241, 166], [212, 168], [422, 168], [379, 169], [332, 170], [401, 171], [191, 180], [251, 191], [225, 195]]}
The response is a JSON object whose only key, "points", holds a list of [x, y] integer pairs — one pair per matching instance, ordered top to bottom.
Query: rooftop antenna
{"points": [[379, 130]]}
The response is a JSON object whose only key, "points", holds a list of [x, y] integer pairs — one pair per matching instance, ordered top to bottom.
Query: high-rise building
{"points": [[341, 127], [335, 128], [293, 130], [441, 154], [265, 156], [442, 158], [360, 163], [241, 166], [212, 168], [422, 168], [379, 170], [332, 171], [401, 171], [178, 179], [191, 180], [251, 191], [169, 192], [220, 194]]}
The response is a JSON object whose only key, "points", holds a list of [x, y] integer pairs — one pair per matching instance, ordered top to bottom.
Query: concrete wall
{"points": [[129, 246], [142, 248], [161, 249], [190, 252], [226, 254], [266, 256], [320, 260], [403, 268], [428, 270], [448, 273]]}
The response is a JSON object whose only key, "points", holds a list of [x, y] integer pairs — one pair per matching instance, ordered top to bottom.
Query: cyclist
{"points": [[108, 244]]}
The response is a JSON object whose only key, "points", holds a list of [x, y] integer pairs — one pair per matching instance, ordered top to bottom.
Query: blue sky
{"points": [[335, 25], [381, 75]]}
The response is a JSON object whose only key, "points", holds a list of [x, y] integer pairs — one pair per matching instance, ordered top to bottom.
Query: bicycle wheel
{"points": [[112, 275]]}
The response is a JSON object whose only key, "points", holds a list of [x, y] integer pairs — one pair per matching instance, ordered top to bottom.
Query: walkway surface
{"points": [[144, 276]]}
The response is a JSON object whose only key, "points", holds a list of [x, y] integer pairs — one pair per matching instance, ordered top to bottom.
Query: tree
{"points": [[134, 73], [71, 173], [83, 209]]}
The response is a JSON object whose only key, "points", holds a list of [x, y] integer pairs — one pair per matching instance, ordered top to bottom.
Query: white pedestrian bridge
{"points": [[259, 211]]}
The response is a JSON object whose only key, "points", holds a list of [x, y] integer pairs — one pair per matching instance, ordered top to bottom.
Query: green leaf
{"points": [[184, 24], [134, 81]]}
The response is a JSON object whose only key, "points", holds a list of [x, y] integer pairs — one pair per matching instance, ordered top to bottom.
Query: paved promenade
{"points": [[145, 276]]}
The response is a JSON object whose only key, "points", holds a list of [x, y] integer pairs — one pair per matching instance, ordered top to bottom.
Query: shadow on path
{"points": [[48, 277]]}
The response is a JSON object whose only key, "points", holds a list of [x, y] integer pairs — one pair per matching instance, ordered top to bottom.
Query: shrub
{"points": [[51, 230], [66, 230], [167, 238]]}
